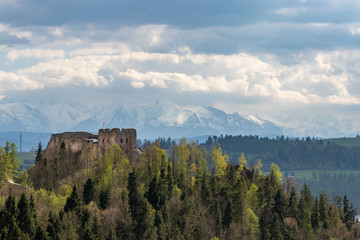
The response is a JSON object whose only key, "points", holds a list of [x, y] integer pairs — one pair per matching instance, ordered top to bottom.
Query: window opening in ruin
{"points": [[127, 140], [121, 141]]}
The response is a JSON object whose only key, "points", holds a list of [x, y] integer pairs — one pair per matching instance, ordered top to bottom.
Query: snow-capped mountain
{"points": [[22, 117], [163, 118]]}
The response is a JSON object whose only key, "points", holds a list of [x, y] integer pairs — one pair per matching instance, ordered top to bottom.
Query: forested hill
{"points": [[290, 153], [191, 193]]}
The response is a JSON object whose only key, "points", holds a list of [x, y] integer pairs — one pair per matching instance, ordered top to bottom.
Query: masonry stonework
{"points": [[78, 141]]}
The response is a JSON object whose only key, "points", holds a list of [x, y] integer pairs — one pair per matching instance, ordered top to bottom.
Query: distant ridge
{"points": [[161, 119]]}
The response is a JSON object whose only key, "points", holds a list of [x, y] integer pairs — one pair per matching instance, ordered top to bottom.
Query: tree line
{"points": [[289, 153]]}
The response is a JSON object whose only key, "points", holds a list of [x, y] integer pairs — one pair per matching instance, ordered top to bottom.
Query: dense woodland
{"points": [[290, 153], [190, 192]]}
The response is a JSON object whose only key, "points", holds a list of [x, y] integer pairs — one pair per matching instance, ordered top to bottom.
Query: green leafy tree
{"points": [[220, 160], [6, 168]]}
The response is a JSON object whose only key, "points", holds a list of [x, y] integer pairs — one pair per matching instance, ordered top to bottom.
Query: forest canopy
{"points": [[187, 192]]}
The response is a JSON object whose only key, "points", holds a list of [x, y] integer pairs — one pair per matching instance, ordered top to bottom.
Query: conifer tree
{"points": [[39, 154], [170, 180], [89, 191], [152, 194], [104, 198], [74, 202], [293, 203], [280, 205], [138, 206], [323, 210], [349, 213], [315, 215], [25, 218], [54, 227], [96, 229], [40, 233], [111, 235]]}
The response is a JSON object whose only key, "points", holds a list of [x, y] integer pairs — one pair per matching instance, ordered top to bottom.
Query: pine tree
{"points": [[39, 154], [170, 181], [89, 191], [152, 194], [104, 198], [74, 202], [293, 203], [280, 205], [138, 206], [323, 210], [349, 213], [315, 215], [25, 217], [54, 227], [96, 229], [277, 230], [14, 232], [40, 233], [88, 234], [111, 235]]}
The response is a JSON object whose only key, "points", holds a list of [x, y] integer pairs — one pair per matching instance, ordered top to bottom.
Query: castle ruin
{"points": [[78, 141]]}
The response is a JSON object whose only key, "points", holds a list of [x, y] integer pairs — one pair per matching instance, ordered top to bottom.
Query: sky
{"points": [[294, 62]]}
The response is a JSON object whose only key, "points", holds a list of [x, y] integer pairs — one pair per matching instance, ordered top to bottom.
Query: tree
{"points": [[39, 154], [220, 160], [242, 162], [6, 168], [89, 191], [152, 194], [104, 198], [74, 202], [293, 203], [138, 206], [323, 209], [349, 213], [315, 215], [25, 217], [54, 227], [40, 233]]}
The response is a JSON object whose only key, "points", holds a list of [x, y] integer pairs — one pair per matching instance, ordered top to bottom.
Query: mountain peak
{"points": [[162, 118]]}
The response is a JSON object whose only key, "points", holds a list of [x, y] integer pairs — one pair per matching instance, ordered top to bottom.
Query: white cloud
{"points": [[15, 31], [45, 54], [312, 77]]}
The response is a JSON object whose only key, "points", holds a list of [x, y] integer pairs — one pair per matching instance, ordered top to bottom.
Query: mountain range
{"points": [[162, 118]]}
